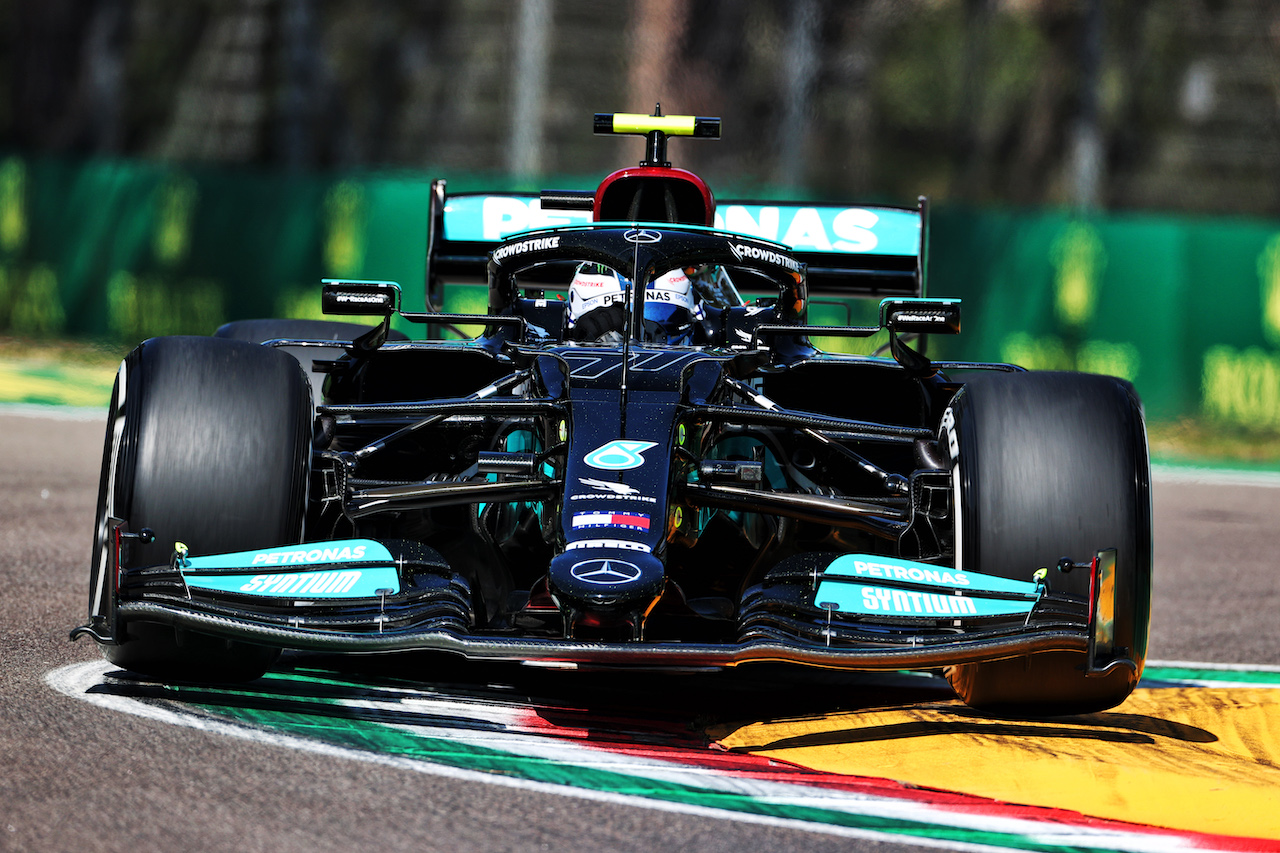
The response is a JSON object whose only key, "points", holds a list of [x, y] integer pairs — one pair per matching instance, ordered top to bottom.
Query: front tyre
{"points": [[209, 447], [1051, 465]]}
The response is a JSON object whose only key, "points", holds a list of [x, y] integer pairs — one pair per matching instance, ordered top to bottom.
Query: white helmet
{"points": [[594, 286], [670, 304]]}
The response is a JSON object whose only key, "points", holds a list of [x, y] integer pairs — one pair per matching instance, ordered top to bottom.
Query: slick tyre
{"points": [[209, 445], [1052, 465]]}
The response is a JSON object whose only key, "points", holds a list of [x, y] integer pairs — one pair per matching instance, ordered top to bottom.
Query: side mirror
{"points": [[360, 297], [930, 316]]}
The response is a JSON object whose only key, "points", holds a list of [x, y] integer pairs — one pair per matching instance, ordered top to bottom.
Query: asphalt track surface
{"points": [[75, 776]]}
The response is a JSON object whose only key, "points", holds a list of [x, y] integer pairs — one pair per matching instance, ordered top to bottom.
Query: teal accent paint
{"points": [[488, 218], [806, 228], [818, 228], [619, 455], [309, 554], [338, 569], [308, 583], [886, 586], [1178, 676]]}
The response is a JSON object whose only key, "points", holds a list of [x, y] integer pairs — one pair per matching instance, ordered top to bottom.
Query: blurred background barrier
{"points": [[1103, 171], [1187, 308]]}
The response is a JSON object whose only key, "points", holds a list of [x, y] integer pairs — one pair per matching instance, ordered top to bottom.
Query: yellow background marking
{"points": [[23, 381], [1194, 759]]}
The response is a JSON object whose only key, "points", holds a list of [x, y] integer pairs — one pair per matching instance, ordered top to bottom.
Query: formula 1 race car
{"points": [[632, 465]]}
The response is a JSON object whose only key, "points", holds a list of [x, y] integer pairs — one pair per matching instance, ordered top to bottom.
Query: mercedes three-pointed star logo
{"points": [[642, 235], [605, 571]]}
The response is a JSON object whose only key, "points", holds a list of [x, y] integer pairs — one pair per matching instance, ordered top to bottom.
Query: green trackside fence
{"points": [[1186, 308]]}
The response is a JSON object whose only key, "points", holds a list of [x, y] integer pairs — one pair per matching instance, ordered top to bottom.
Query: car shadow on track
{"points": [[684, 710]]}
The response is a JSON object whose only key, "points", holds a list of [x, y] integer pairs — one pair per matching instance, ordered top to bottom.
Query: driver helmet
{"points": [[594, 286], [670, 306]]}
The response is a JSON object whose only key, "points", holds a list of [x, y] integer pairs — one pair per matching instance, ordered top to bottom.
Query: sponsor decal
{"points": [[496, 217], [843, 230], [642, 235], [533, 245], [744, 252], [363, 298], [583, 304], [909, 317], [949, 429], [618, 455], [606, 486], [606, 490], [957, 499], [629, 520], [616, 544], [336, 551], [314, 555], [607, 571], [901, 572], [365, 582], [311, 583], [959, 593], [871, 600], [878, 600]]}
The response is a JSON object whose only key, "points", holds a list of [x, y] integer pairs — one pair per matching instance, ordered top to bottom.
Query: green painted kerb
{"points": [[332, 721]]}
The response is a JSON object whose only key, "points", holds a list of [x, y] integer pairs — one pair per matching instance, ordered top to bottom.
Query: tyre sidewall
{"points": [[1051, 465]]}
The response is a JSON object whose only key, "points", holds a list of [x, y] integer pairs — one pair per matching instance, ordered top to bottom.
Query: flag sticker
{"points": [[629, 520]]}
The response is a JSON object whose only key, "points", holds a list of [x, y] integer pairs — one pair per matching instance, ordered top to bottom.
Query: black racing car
{"points": [[631, 465]]}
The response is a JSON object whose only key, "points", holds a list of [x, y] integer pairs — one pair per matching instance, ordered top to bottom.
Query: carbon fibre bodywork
{"points": [[529, 495]]}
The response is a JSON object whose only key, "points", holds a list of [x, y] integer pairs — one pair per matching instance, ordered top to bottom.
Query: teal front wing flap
{"points": [[352, 568], [869, 585]]}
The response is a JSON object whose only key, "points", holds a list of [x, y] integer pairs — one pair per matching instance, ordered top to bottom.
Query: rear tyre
{"points": [[213, 451], [1052, 465]]}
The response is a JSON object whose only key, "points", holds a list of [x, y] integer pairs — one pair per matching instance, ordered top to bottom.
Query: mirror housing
{"points": [[360, 297], [906, 315]]}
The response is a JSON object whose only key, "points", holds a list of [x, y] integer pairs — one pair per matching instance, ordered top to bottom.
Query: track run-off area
{"points": [[767, 757], [1187, 762]]}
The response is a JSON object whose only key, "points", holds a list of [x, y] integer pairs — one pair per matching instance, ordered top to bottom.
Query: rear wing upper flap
{"points": [[850, 250]]}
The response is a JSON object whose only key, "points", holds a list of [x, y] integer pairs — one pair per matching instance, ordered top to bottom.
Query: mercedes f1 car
{"points": [[642, 460]]}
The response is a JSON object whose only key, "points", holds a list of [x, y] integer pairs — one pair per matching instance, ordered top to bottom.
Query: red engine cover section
{"points": [[654, 194]]}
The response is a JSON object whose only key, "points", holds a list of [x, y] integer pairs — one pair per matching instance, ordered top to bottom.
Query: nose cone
{"points": [[607, 580]]}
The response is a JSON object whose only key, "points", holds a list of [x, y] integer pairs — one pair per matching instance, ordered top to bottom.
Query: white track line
{"points": [[54, 413], [1162, 473], [77, 681]]}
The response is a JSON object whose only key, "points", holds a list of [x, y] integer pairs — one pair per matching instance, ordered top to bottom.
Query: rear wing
{"points": [[462, 229], [850, 250]]}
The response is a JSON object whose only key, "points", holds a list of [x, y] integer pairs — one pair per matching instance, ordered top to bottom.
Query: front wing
{"points": [[857, 612]]}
